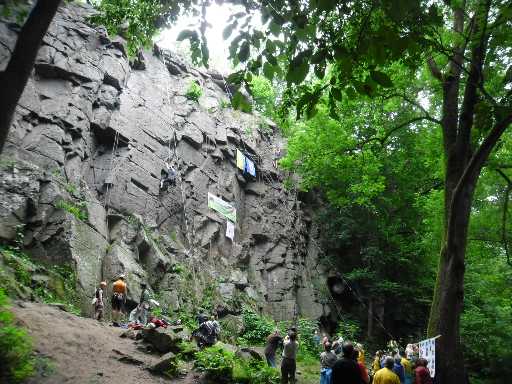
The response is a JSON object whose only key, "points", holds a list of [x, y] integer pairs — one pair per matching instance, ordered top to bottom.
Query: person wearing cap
{"points": [[119, 292], [98, 301]]}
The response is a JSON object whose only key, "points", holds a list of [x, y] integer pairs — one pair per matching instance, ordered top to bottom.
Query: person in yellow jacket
{"points": [[119, 292], [376, 362], [386, 374]]}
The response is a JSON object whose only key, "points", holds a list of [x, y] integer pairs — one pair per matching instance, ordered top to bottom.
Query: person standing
{"points": [[119, 293], [99, 304], [144, 304], [273, 342], [327, 360], [376, 362], [289, 364], [362, 368], [399, 369], [346, 370], [407, 370], [422, 373], [386, 374]]}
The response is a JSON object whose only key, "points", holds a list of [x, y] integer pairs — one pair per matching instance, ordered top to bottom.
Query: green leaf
{"points": [[326, 5], [274, 28], [228, 30], [187, 34], [243, 53], [320, 70], [268, 71], [297, 74], [236, 77], [381, 78], [336, 93], [240, 102]]}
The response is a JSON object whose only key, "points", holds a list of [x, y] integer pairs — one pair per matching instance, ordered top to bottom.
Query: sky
{"points": [[217, 16]]}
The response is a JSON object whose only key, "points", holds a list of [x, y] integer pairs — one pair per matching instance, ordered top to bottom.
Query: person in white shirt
{"points": [[288, 364]]}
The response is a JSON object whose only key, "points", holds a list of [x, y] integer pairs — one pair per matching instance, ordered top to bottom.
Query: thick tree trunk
{"points": [[15, 77], [449, 362]]}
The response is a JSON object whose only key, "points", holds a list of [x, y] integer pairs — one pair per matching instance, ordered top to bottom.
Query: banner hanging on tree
{"points": [[221, 206], [427, 350]]}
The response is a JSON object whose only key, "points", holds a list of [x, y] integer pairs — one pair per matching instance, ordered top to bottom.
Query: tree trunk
{"points": [[15, 77], [370, 319], [449, 358]]}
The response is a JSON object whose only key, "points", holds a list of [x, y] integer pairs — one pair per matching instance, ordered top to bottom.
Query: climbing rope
{"points": [[353, 291]]}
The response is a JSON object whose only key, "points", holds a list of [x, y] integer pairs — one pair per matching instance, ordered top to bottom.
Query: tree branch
{"points": [[434, 69], [475, 77], [504, 238]]}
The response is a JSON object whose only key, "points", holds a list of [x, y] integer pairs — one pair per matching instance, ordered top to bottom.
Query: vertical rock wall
{"points": [[94, 134]]}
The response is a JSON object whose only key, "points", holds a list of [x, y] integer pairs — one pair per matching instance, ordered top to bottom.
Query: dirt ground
{"points": [[84, 351]]}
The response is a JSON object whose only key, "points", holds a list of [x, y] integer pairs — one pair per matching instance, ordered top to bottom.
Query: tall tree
{"points": [[465, 44], [15, 76]]}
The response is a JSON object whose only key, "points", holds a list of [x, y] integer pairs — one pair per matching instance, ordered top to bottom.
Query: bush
{"points": [[194, 91], [78, 210], [256, 328], [16, 361], [217, 363], [222, 366], [254, 372]]}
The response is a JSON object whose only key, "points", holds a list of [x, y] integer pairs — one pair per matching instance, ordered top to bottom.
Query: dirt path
{"points": [[83, 351]]}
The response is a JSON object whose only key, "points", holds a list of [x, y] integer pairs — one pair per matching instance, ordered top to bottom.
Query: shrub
{"points": [[194, 91], [78, 210], [256, 327], [16, 361], [217, 363], [254, 372]]}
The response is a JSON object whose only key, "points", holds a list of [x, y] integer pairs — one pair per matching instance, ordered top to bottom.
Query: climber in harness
{"points": [[168, 177], [207, 333]]}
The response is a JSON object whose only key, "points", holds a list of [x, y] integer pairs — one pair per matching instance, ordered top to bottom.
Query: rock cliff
{"points": [[81, 172]]}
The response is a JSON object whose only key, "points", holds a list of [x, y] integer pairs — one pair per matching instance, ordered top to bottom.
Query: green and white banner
{"points": [[221, 206]]}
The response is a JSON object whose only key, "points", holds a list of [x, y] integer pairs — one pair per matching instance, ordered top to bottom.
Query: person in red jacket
{"points": [[421, 373]]}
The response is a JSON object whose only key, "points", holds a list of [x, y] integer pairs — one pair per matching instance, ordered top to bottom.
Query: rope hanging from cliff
{"points": [[107, 192], [356, 295]]}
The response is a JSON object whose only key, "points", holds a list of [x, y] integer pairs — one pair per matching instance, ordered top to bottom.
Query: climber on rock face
{"points": [[168, 177], [120, 291]]}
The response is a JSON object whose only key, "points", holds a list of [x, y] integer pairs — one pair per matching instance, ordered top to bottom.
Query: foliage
{"points": [[135, 20], [194, 91], [263, 95], [79, 210], [59, 288], [256, 327], [348, 328], [306, 329], [16, 361], [216, 362], [223, 366]]}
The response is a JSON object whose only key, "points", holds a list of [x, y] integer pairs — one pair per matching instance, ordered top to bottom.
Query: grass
{"points": [[194, 91], [78, 210], [16, 355]]}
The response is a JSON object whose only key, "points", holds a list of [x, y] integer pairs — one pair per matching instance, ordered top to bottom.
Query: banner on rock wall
{"points": [[240, 160], [221, 206], [230, 230], [427, 350]]}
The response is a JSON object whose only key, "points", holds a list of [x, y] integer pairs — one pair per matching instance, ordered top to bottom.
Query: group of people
{"points": [[119, 294], [208, 331], [290, 346], [349, 368], [402, 368]]}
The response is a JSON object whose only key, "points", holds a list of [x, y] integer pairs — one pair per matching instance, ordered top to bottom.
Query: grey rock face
{"points": [[93, 133]]}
